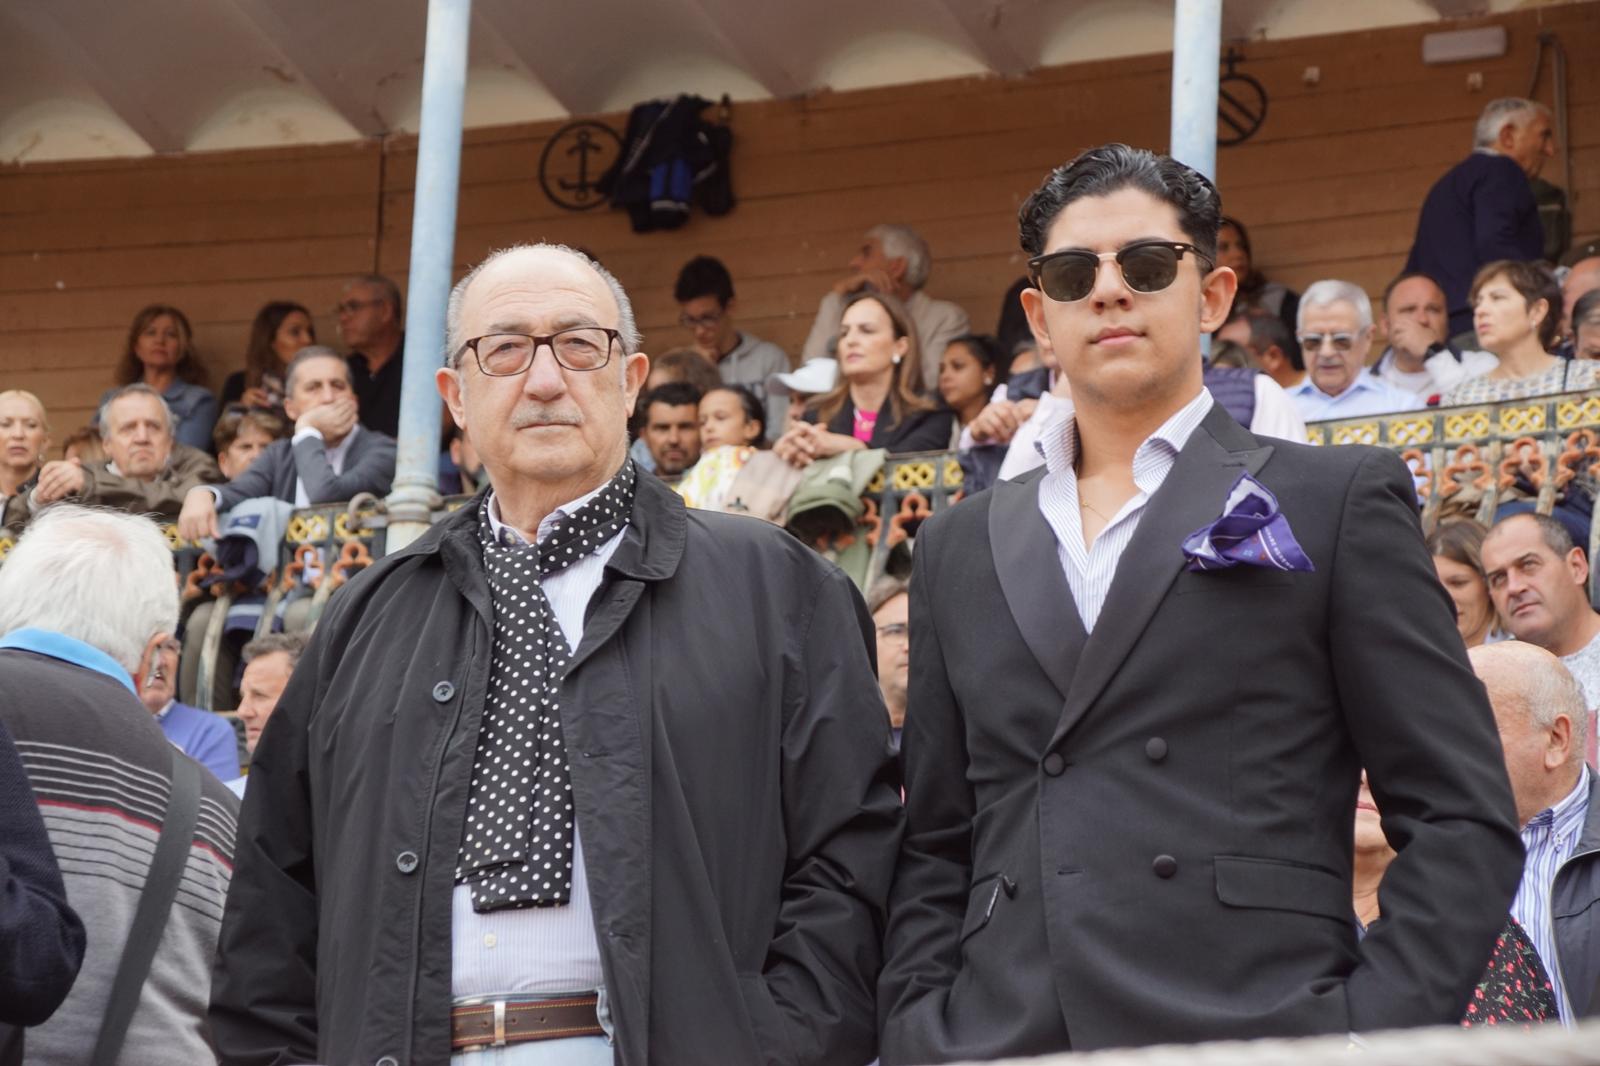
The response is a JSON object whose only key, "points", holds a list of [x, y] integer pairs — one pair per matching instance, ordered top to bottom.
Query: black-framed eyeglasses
{"points": [[1147, 266], [709, 320], [1343, 343], [503, 355]]}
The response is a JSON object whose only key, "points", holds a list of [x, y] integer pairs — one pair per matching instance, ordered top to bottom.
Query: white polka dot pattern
{"points": [[516, 850]]}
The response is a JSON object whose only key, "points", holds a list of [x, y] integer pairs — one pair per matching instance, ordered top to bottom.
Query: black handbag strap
{"points": [[155, 904]]}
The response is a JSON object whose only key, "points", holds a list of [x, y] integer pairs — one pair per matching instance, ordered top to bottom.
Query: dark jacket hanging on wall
{"points": [[671, 158]]}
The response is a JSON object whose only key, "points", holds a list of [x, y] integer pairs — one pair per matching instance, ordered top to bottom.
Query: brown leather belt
{"points": [[498, 1023]]}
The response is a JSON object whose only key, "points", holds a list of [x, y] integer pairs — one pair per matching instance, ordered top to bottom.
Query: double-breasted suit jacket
{"points": [[1143, 834]]}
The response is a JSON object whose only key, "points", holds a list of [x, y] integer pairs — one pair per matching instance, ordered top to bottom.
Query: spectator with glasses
{"points": [[707, 309], [1516, 311], [372, 323], [1335, 334], [651, 886]]}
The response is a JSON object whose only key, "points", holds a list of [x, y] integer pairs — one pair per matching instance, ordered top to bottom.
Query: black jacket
{"points": [[918, 431], [737, 804], [1144, 835], [1575, 914]]}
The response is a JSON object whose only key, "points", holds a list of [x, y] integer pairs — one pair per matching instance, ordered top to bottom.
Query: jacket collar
{"points": [[68, 650], [1589, 837]]}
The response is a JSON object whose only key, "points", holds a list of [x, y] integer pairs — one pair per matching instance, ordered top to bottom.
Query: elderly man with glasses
{"points": [[1335, 327], [526, 792]]}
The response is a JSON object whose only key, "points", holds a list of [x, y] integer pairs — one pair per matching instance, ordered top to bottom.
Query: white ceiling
{"points": [[104, 78]]}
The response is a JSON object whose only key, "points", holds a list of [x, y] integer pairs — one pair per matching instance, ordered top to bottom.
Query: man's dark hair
{"points": [[1104, 170], [703, 276], [387, 289], [1388, 290], [1586, 312], [1268, 330], [673, 394], [1555, 535], [291, 644]]}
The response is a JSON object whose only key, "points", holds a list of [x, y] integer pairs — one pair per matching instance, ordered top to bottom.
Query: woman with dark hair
{"points": [[1255, 291], [1516, 310], [280, 329], [160, 353], [969, 369], [878, 401], [1457, 550]]}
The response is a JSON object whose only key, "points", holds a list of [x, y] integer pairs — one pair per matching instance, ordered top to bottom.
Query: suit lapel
{"points": [[1191, 496], [1029, 567]]}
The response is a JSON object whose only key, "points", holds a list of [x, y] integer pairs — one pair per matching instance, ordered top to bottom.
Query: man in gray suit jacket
{"points": [[331, 457], [1145, 681]]}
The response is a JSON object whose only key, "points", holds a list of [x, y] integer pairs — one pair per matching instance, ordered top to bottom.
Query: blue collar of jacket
{"points": [[68, 650]]}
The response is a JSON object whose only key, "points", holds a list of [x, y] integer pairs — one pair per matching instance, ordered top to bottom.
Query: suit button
{"points": [[443, 691], [1155, 749], [1054, 764], [406, 861], [1164, 866]]}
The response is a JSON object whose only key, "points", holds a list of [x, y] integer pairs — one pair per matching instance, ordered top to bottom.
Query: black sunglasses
{"points": [[1147, 266]]}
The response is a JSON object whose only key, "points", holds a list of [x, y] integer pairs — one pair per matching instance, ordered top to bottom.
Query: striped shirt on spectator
{"points": [[1090, 570], [1550, 837]]}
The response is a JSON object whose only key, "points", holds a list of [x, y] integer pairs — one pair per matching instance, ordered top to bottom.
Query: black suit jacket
{"points": [[368, 467], [1144, 835]]}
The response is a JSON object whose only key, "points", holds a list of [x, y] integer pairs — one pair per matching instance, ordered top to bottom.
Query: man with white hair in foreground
{"points": [[1335, 333], [1542, 717], [144, 836]]}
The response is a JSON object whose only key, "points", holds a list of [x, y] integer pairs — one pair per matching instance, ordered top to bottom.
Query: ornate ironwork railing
{"points": [[1469, 461]]}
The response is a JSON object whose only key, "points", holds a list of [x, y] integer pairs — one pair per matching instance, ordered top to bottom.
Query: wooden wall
{"points": [[1329, 187]]}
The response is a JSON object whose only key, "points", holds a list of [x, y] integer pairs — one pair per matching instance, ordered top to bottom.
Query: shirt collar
{"points": [[1364, 382], [1059, 445], [342, 449], [498, 529], [68, 650], [1566, 817]]}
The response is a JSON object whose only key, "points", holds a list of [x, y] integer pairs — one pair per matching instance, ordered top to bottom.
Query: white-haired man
{"points": [[1483, 209], [892, 259], [1335, 334], [146, 470], [86, 598], [1539, 710], [401, 897]]}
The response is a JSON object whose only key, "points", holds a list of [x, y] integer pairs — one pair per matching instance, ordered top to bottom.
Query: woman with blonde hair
{"points": [[879, 399], [24, 436]]}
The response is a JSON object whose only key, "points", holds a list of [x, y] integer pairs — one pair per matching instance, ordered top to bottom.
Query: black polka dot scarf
{"points": [[517, 847]]}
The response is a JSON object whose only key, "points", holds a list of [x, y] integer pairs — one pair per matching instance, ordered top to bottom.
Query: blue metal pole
{"points": [[1196, 48], [433, 238]]}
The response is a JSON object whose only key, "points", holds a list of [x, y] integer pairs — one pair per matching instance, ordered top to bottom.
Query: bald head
{"points": [[553, 267], [1542, 717]]}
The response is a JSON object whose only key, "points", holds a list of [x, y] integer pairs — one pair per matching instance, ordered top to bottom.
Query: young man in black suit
{"points": [[1130, 803]]}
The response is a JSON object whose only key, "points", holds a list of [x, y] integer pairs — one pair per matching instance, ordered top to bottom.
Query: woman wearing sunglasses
{"points": [[1516, 311], [879, 401]]}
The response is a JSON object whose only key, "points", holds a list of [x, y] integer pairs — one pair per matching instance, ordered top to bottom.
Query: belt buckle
{"points": [[499, 1027]]}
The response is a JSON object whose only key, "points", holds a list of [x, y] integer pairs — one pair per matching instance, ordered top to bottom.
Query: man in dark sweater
{"points": [[1483, 208]]}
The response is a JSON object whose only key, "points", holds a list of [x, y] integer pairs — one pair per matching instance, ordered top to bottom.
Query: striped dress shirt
{"points": [[1090, 569], [1549, 837], [536, 950]]}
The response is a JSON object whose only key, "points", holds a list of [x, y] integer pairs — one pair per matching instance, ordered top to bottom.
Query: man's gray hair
{"points": [[1498, 114], [903, 242], [389, 290], [1331, 291], [627, 329], [305, 355], [138, 388], [100, 576], [885, 589], [291, 644], [1541, 685]]}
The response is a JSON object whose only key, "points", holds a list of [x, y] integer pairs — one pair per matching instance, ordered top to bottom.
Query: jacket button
{"points": [[443, 691], [1155, 749], [1054, 764], [406, 861], [1164, 866]]}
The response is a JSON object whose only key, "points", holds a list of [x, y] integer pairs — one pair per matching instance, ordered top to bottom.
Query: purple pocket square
{"points": [[1251, 531]]}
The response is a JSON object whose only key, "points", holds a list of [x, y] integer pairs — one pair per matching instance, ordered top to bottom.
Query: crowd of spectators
{"points": [[735, 423]]}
